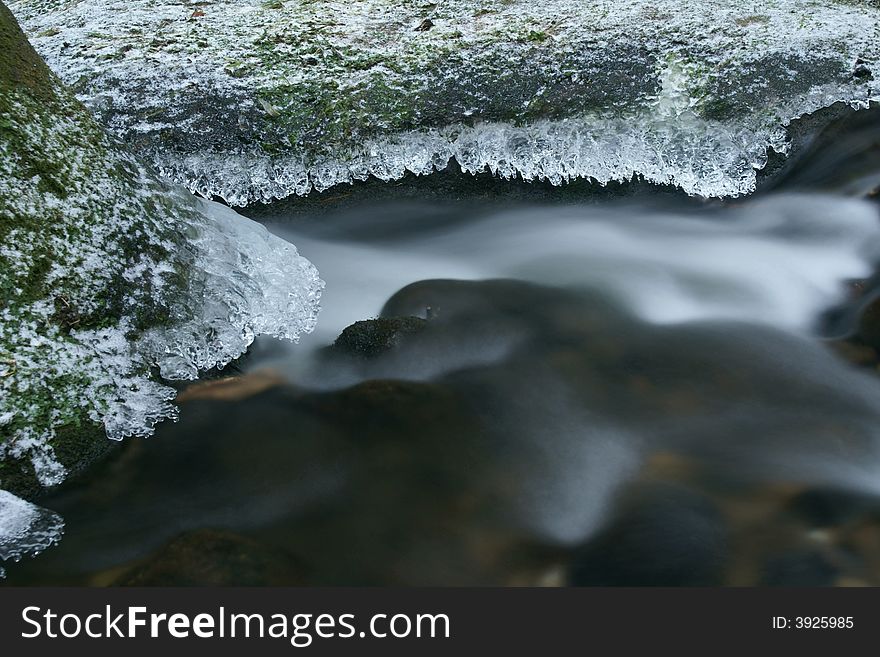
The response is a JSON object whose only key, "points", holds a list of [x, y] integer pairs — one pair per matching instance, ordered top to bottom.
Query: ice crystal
{"points": [[251, 101], [107, 274], [25, 529]]}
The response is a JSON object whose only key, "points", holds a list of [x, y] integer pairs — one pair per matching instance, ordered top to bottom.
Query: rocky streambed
{"points": [[546, 354]]}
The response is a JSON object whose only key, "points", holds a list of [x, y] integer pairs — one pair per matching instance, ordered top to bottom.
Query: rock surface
{"points": [[251, 101], [107, 275], [372, 337], [212, 558]]}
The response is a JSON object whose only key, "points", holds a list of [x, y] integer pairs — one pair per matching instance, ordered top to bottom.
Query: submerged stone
{"points": [[252, 101], [112, 281], [662, 536], [208, 557]]}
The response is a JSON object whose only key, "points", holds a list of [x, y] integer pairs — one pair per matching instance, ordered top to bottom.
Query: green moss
{"points": [[758, 19], [536, 36], [19, 64], [358, 92], [317, 110], [64, 186], [77, 445]]}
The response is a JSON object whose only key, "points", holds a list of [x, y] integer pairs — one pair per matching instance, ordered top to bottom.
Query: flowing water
{"points": [[638, 390]]}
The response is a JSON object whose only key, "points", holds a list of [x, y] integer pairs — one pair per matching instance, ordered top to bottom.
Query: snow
{"points": [[249, 101], [109, 273], [25, 529]]}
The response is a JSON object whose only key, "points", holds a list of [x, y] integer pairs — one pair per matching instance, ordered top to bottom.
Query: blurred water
{"points": [[778, 261], [613, 387]]}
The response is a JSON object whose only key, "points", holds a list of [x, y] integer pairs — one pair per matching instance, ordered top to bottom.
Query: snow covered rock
{"points": [[253, 100], [109, 275]]}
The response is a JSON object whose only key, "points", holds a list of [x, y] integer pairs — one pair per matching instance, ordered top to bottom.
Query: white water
{"points": [[779, 261], [735, 289]]}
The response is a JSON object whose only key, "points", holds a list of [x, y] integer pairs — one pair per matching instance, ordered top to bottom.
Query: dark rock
{"points": [[862, 70], [834, 149], [482, 191], [869, 325], [372, 337], [77, 448], [832, 508], [663, 536], [207, 557], [800, 568]]}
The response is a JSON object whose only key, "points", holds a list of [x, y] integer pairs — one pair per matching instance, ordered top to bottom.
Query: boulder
{"points": [[252, 101], [112, 281], [371, 337], [207, 557]]}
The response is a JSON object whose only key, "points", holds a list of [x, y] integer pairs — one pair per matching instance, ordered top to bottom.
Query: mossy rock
{"points": [[288, 97], [85, 228], [106, 272], [372, 337]]}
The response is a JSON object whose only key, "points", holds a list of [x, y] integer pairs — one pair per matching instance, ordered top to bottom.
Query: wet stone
{"points": [[372, 337], [664, 536], [214, 558]]}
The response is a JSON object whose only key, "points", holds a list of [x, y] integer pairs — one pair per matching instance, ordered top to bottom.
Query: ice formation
{"points": [[252, 100], [108, 274], [25, 529]]}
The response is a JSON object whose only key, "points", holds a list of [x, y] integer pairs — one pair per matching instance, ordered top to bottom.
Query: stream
{"points": [[599, 389]]}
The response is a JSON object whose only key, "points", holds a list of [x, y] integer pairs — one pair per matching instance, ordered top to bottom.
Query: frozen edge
{"points": [[659, 138], [702, 158], [249, 282], [26, 529]]}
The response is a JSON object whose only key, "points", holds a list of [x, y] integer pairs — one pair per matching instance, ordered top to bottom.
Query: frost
{"points": [[252, 101], [703, 159], [108, 274], [242, 282], [247, 283], [25, 529]]}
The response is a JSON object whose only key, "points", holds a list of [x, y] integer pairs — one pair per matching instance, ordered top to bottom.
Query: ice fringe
{"points": [[252, 101], [704, 159], [109, 276], [243, 282], [25, 529]]}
